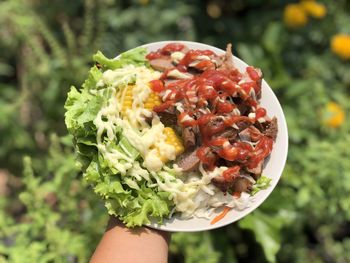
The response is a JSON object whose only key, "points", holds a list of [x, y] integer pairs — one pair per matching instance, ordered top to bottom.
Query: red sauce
{"points": [[172, 47], [165, 51], [153, 55], [192, 55], [157, 85], [206, 92], [207, 103], [160, 108], [261, 112], [204, 119], [234, 119], [185, 120], [261, 151], [207, 157], [231, 173]]}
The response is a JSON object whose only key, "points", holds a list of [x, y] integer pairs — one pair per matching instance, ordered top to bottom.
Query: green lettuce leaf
{"points": [[134, 56], [94, 75], [82, 108], [125, 146], [262, 183], [125, 197], [151, 205], [135, 207]]}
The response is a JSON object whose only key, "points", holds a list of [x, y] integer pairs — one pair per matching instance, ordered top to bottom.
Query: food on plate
{"points": [[172, 131]]}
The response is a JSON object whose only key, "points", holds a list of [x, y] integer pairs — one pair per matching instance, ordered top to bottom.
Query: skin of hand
{"points": [[136, 245]]}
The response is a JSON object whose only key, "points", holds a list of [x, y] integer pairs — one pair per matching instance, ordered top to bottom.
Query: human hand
{"points": [[136, 245]]}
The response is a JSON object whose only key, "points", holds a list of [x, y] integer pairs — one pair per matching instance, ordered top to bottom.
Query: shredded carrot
{"points": [[236, 194], [221, 215]]}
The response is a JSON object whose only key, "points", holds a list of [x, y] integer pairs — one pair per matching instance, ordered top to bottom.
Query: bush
{"points": [[47, 213]]}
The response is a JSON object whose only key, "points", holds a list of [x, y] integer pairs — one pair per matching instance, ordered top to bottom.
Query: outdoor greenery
{"points": [[48, 214]]}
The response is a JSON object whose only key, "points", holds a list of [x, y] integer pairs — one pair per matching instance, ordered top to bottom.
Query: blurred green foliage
{"points": [[47, 214]]}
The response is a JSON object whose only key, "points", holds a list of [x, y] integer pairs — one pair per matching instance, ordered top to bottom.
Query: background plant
{"points": [[47, 214]]}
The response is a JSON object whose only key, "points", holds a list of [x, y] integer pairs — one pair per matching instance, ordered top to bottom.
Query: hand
{"points": [[134, 245]]}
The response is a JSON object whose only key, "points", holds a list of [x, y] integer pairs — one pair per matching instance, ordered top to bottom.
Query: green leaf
{"points": [[272, 38], [251, 54], [134, 56], [94, 76], [82, 108], [125, 146], [262, 183], [152, 205], [267, 232]]}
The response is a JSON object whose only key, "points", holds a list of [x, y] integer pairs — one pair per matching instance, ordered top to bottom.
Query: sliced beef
{"points": [[185, 49], [228, 56], [228, 59], [218, 60], [161, 64], [203, 65], [194, 71], [169, 81], [258, 93], [242, 105], [243, 108], [167, 118], [215, 123], [242, 125], [262, 126], [268, 127], [272, 129], [229, 133], [250, 134], [255, 134], [197, 135], [244, 135], [188, 137], [188, 161], [256, 172], [221, 183], [237, 184], [242, 184]]}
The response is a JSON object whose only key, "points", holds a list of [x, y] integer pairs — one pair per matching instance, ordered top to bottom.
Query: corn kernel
{"points": [[128, 99], [152, 100], [172, 139]]}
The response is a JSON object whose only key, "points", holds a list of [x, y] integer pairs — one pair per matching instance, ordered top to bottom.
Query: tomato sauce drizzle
{"points": [[207, 104]]}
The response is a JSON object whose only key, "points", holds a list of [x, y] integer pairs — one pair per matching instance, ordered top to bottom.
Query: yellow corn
{"points": [[128, 100], [152, 100], [172, 139]]}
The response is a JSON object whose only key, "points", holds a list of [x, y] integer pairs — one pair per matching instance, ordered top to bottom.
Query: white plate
{"points": [[273, 168]]}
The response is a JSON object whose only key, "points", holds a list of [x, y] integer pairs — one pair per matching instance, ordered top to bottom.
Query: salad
{"points": [[171, 132]]}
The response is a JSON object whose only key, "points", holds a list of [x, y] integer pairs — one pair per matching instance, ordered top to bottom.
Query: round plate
{"points": [[273, 168]]}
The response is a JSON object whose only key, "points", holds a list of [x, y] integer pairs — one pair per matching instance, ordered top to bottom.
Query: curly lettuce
{"points": [[261, 184], [126, 188]]}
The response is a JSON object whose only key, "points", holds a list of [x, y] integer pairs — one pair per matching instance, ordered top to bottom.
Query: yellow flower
{"points": [[314, 9], [294, 16], [340, 45], [334, 115]]}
